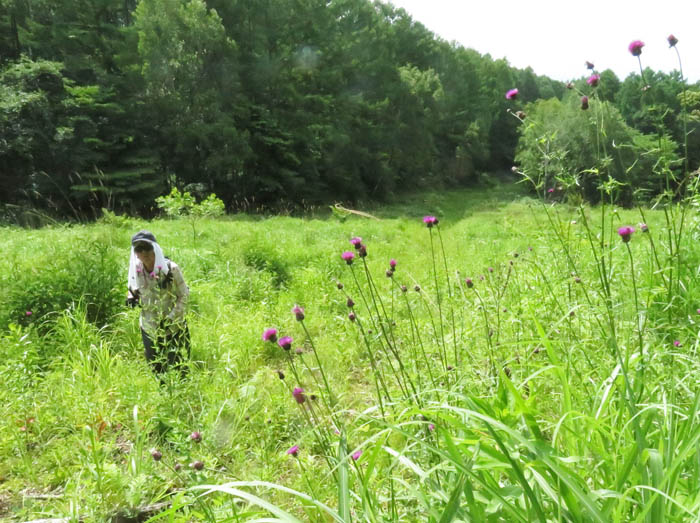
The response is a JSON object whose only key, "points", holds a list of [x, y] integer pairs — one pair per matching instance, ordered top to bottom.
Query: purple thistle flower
{"points": [[672, 41], [635, 47], [589, 65], [593, 80], [512, 94], [584, 102], [550, 190], [430, 221], [643, 227], [625, 233], [356, 242], [362, 251], [348, 257], [392, 263], [490, 269], [138, 270], [389, 273], [153, 275], [469, 283], [339, 285], [404, 288], [416, 288], [350, 303], [698, 311], [298, 312], [28, 313], [351, 316], [270, 335], [285, 342], [676, 343], [299, 351], [280, 374], [299, 395], [431, 427], [196, 436], [293, 451], [156, 454], [356, 455], [197, 465]]}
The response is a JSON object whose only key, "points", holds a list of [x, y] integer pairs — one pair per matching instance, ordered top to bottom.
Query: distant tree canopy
{"points": [[112, 103]]}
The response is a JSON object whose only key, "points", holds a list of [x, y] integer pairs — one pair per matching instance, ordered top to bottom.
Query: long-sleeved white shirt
{"points": [[157, 304]]}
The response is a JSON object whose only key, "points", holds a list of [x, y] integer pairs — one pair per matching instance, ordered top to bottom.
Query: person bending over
{"points": [[156, 283]]}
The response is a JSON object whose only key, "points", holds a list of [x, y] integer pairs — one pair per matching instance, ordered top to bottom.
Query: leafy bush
{"points": [[561, 149], [90, 274]]}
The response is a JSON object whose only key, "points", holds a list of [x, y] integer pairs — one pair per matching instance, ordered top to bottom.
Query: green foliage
{"points": [[561, 148], [177, 204]]}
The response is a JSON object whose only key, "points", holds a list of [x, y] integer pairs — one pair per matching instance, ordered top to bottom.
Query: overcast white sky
{"points": [[556, 37]]}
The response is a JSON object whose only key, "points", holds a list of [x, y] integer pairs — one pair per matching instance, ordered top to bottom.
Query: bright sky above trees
{"points": [[556, 37]]}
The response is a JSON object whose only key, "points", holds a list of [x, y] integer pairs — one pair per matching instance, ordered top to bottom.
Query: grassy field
{"points": [[534, 367]]}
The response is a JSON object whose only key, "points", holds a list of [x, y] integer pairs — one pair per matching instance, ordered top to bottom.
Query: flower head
{"points": [[672, 41], [635, 47], [589, 65], [593, 80], [570, 85], [512, 94], [584, 102], [521, 115], [550, 190], [430, 221], [643, 227], [625, 233], [356, 242], [362, 251], [348, 257], [392, 263], [389, 273], [469, 283], [339, 285], [404, 288], [350, 303], [298, 312], [28, 313], [351, 316], [270, 335], [285, 342], [676, 343], [280, 374], [299, 395], [196, 436], [293, 451], [156, 454], [356, 455], [197, 465]]}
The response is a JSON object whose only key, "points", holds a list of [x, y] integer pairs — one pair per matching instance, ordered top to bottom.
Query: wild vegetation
{"points": [[515, 362]]}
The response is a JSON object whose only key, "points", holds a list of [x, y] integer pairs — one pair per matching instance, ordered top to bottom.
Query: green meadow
{"points": [[522, 362]]}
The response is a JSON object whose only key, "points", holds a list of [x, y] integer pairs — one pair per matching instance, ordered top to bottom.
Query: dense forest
{"points": [[111, 103]]}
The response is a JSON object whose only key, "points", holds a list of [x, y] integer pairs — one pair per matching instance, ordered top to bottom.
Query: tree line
{"points": [[111, 103]]}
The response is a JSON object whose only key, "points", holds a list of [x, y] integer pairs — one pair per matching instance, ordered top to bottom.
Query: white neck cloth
{"points": [[136, 269]]}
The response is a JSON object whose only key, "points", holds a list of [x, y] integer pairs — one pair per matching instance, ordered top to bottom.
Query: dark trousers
{"points": [[167, 350]]}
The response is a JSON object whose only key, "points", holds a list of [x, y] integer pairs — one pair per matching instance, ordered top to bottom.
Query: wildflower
{"points": [[672, 41], [635, 47], [589, 65], [593, 80], [570, 85], [512, 94], [584, 102], [521, 115], [550, 190], [430, 221], [643, 227], [625, 233], [356, 242], [362, 251], [348, 257], [392, 264], [490, 269], [138, 270], [389, 273], [153, 274], [577, 279], [469, 283], [339, 284], [404, 288], [416, 288], [350, 303], [698, 311], [298, 312], [28, 313], [351, 316], [270, 335], [285, 342], [676, 343], [299, 351], [280, 374], [299, 395], [313, 397], [431, 427], [196, 436], [293, 451], [156, 454], [356, 455], [197, 465], [177, 467]]}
